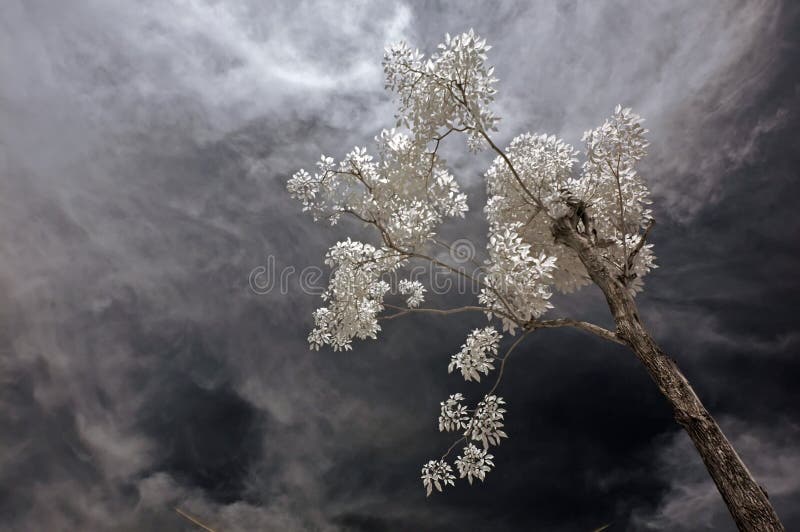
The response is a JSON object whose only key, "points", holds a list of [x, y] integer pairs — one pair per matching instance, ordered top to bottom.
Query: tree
{"points": [[550, 228]]}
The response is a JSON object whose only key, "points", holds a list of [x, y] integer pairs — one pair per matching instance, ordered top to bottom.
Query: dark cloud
{"points": [[144, 149], [692, 501]]}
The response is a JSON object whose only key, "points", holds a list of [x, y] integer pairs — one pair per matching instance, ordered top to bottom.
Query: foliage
{"points": [[405, 192]]}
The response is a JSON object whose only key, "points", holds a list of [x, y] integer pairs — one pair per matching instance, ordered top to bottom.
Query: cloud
{"points": [[221, 64], [144, 149]]}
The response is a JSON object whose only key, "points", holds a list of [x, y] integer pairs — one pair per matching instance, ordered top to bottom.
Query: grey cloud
{"points": [[224, 63], [144, 149]]}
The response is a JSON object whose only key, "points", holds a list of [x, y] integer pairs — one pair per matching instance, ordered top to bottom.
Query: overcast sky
{"points": [[144, 149]]}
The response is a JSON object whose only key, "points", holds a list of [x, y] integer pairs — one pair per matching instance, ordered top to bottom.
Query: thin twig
{"points": [[623, 229], [530, 327], [503, 362], [496, 383], [453, 446], [193, 520]]}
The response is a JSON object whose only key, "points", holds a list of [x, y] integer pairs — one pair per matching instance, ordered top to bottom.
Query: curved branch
{"points": [[496, 149], [505, 158], [391, 245], [402, 311], [530, 327], [505, 357], [494, 387], [453, 446], [193, 520]]}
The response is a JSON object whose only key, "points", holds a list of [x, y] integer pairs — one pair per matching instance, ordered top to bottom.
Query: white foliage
{"points": [[450, 90], [544, 164], [611, 183], [405, 192], [518, 283], [414, 290], [354, 294], [477, 353], [454, 415], [486, 424], [474, 463], [436, 474]]}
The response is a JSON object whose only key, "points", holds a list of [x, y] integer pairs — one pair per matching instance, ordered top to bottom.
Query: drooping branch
{"points": [[505, 358], [497, 381], [453, 446]]}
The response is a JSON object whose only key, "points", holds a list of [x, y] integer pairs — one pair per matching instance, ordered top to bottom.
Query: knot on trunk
{"points": [[576, 228], [563, 230], [686, 417]]}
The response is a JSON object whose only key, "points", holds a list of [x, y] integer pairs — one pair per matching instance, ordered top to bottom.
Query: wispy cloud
{"points": [[144, 149]]}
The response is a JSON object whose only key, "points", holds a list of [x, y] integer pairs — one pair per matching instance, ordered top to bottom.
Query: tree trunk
{"points": [[746, 500]]}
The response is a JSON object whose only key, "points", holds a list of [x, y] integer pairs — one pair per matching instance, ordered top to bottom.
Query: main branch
{"points": [[582, 325]]}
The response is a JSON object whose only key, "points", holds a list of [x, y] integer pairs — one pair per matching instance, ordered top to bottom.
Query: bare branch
{"points": [[501, 153], [391, 245], [402, 311], [582, 325], [530, 327], [505, 358], [496, 384], [453, 446], [193, 520]]}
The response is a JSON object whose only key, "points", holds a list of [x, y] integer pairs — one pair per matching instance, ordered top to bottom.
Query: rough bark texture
{"points": [[747, 501]]}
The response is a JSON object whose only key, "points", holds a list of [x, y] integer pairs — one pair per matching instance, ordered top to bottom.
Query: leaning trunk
{"points": [[746, 500]]}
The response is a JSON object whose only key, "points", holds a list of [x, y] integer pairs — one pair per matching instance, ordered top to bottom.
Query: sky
{"points": [[144, 150]]}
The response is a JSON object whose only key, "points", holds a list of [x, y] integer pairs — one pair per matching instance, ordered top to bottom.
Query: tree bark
{"points": [[746, 500]]}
